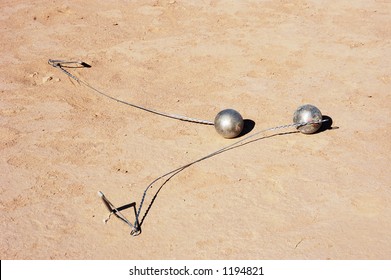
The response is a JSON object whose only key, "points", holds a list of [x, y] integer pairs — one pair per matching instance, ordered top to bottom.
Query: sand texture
{"points": [[284, 196]]}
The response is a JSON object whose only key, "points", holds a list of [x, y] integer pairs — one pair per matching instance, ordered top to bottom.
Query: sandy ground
{"points": [[291, 196]]}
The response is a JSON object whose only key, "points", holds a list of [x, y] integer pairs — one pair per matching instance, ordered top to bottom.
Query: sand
{"points": [[289, 196]]}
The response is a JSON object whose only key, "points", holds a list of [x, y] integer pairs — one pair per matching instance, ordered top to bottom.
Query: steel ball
{"points": [[308, 113], [229, 123]]}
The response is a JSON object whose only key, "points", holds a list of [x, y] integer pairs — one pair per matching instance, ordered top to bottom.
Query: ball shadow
{"points": [[326, 125], [247, 128]]}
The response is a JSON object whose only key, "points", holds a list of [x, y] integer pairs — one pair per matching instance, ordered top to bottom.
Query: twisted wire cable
{"points": [[61, 64], [137, 227]]}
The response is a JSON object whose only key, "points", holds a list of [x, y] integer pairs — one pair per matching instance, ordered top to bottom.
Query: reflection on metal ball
{"points": [[308, 113], [229, 123]]}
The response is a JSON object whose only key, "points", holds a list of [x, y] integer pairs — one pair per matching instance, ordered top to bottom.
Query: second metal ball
{"points": [[306, 114]]}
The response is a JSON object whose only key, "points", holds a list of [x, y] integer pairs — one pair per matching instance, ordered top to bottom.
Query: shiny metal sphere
{"points": [[308, 113], [229, 123]]}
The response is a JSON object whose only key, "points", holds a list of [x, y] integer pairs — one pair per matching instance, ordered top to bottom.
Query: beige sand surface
{"points": [[292, 196]]}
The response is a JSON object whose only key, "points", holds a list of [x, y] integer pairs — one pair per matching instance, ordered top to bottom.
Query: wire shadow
{"points": [[189, 165], [155, 196], [124, 207], [117, 211], [136, 229]]}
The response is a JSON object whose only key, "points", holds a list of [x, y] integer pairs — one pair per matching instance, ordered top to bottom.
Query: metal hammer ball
{"points": [[308, 113], [229, 123]]}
